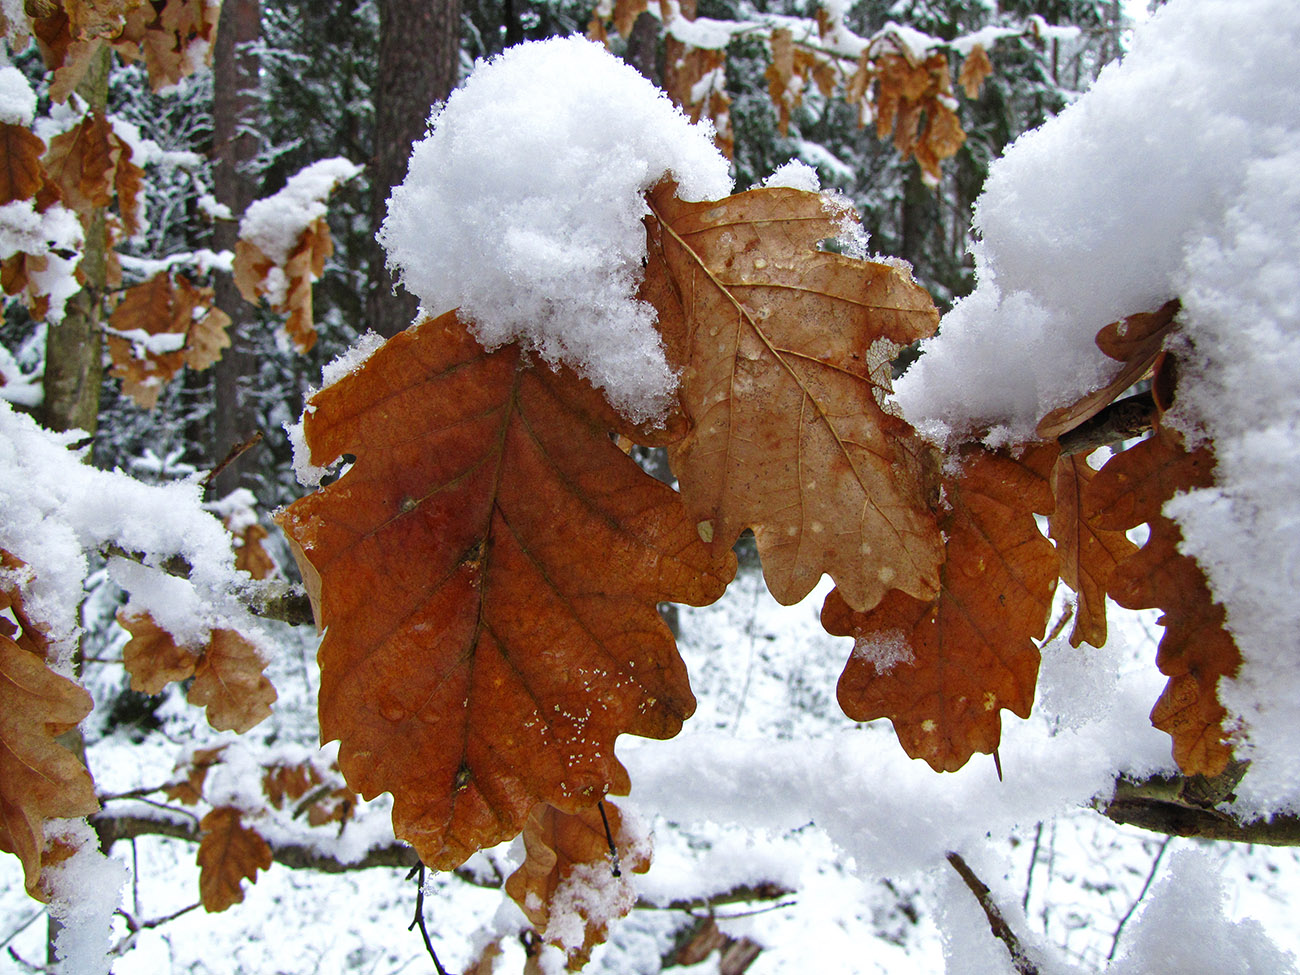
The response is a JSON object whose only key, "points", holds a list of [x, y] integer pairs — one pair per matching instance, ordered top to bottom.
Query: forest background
{"points": [[293, 84]]}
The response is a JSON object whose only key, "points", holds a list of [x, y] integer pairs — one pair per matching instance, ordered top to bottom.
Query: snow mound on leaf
{"points": [[524, 205]]}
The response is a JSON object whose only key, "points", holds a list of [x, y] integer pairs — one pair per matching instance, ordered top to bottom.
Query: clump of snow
{"points": [[17, 100], [796, 175], [1175, 176], [523, 208], [275, 223], [50, 235], [348, 362], [884, 651], [86, 889], [1185, 915]]}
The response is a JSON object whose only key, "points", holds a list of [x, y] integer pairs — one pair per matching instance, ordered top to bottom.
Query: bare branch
{"points": [[997, 923]]}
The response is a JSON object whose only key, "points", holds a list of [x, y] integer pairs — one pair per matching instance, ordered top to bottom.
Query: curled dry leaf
{"points": [[974, 70], [914, 102], [20, 163], [288, 288], [1135, 341], [781, 348], [1088, 554], [490, 569], [1196, 651], [942, 669], [40, 780], [190, 789], [229, 852], [566, 885]]}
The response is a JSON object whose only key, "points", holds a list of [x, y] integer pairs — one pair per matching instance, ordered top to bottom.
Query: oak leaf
{"points": [[974, 70], [695, 80], [914, 102], [81, 162], [20, 163], [287, 288], [1135, 341], [783, 351], [1088, 554], [251, 555], [490, 569], [1196, 650], [151, 656], [942, 669], [39, 778], [288, 783], [190, 789], [229, 852], [567, 885]]}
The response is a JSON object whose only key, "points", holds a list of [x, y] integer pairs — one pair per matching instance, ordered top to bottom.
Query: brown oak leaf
{"points": [[974, 70], [913, 103], [81, 162], [20, 163], [304, 265], [1135, 341], [784, 352], [1088, 554], [250, 555], [490, 569], [1196, 650], [151, 656], [942, 669], [230, 683], [40, 779], [288, 783], [190, 789], [229, 852], [566, 886]]}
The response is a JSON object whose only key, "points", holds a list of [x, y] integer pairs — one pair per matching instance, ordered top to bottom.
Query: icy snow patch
{"points": [[17, 100], [523, 208]]}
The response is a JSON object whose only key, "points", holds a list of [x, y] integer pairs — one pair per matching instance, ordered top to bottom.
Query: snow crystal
{"points": [[17, 100], [1176, 175], [524, 206], [274, 224], [884, 651], [1184, 917]]}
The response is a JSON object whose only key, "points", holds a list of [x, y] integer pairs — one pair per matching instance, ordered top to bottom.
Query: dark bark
{"points": [[419, 64], [235, 109]]}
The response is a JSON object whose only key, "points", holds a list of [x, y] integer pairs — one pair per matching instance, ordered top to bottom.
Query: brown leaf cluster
{"points": [[72, 33], [685, 67], [792, 68], [914, 101], [90, 165], [305, 264], [166, 304], [787, 434], [490, 569], [1196, 650], [942, 669], [228, 672], [40, 779], [189, 790], [229, 853], [569, 877]]}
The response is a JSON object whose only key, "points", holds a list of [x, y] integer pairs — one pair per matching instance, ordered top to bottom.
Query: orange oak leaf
{"points": [[974, 70], [695, 79], [914, 103], [82, 161], [20, 163], [288, 289], [207, 335], [1135, 341], [784, 352], [1088, 554], [250, 555], [490, 569], [1196, 650], [151, 656], [942, 669], [230, 683], [39, 778], [190, 789], [229, 852], [567, 886]]}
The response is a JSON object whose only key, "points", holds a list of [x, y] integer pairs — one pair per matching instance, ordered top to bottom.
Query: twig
{"points": [[231, 456], [1067, 614], [609, 838], [1033, 862], [417, 871], [1151, 875], [997, 923], [21, 928]]}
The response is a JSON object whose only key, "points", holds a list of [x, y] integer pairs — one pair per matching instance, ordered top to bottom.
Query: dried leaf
{"points": [[974, 70], [20, 163], [81, 163], [153, 308], [207, 337], [1135, 341], [788, 435], [1088, 555], [251, 556], [490, 569], [1196, 650], [151, 656], [941, 670], [229, 682], [39, 778], [288, 783], [190, 789], [229, 852], [566, 886]]}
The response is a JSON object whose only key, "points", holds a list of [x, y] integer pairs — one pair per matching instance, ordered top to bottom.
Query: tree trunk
{"points": [[419, 64], [234, 118], [74, 358]]}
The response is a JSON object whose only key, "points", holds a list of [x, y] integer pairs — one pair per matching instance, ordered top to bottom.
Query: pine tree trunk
{"points": [[419, 64], [234, 118]]}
